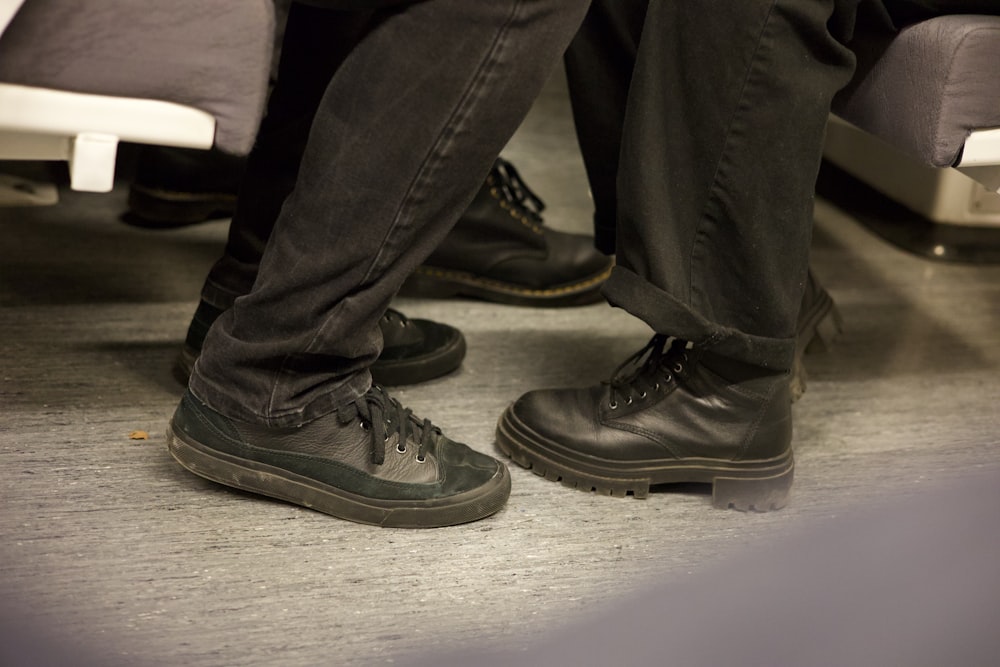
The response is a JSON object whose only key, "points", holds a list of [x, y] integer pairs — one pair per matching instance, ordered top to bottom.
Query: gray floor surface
{"points": [[107, 544]]}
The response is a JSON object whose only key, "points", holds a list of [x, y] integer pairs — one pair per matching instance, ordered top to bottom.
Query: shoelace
{"points": [[511, 190], [661, 366], [383, 415]]}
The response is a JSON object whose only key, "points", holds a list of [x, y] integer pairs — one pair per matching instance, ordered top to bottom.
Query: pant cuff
{"points": [[667, 315], [341, 394]]}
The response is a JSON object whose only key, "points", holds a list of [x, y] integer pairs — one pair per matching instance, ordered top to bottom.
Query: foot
{"points": [[174, 187], [499, 250], [413, 351], [671, 418], [371, 462]]}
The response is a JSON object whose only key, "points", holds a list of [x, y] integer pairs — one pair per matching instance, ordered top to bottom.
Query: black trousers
{"points": [[701, 124], [380, 129]]}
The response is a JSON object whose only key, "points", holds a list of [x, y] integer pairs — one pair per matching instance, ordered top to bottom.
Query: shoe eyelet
{"points": [[678, 368], [656, 387], [642, 395], [628, 401], [613, 406], [366, 425], [401, 448], [421, 459]]}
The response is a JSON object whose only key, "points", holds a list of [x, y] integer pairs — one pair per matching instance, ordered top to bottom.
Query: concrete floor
{"points": [[107, 546]]}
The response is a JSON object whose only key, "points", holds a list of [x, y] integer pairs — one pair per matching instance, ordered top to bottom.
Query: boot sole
{"points": [[434, 283], [820, 328], [267, 480], [750, 486]]}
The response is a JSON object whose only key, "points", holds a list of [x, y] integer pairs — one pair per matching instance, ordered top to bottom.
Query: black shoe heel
{"points": [[827, 330], [758, 494]]}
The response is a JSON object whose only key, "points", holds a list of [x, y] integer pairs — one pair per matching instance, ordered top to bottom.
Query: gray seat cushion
{"points": [[212, 55], [926, 88]]}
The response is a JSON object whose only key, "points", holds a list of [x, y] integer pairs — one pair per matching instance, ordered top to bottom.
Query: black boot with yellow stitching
{"points": [[500, 251]]}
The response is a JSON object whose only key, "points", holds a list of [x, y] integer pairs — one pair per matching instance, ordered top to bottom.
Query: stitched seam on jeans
{"points": [[699, 238]]}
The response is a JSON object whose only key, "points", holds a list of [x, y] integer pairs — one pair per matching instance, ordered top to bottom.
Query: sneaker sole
{"points": [[430, 282], [820, 328], [267, 480], [749, 486]]}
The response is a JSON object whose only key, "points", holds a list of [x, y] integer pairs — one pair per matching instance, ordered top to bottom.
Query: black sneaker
{"points": [[500, 250], [413, 351], [671, 419], [371, 462]]}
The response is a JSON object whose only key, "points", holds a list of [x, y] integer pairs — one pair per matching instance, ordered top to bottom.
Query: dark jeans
{"points": [[720, 110], [395, 117]]}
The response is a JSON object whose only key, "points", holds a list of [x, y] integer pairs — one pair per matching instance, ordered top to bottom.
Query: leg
{"points": [[317, 43], [599, 64], [721, 144], [280, 400]]}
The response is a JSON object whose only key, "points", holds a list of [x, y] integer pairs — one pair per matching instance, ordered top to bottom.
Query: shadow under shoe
{"points": [[500, 250], [413, 351], [672, 419], [371, 462]]}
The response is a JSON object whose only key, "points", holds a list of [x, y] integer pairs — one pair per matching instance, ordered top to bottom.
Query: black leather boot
{"points": [[500, 250], [413, 351], [670, 415]]}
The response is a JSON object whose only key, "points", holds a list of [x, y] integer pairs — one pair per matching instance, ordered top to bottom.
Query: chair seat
{"points": [[211, 55], [926, 89]]}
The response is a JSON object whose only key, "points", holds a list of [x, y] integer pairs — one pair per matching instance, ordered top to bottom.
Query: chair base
{"points": [[904, 228]]}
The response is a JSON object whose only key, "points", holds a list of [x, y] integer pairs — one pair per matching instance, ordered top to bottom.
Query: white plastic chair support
{"points": [[44, 124], [981, 158], [92, 162]]}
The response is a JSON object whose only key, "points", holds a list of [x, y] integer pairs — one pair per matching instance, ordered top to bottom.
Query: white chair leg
{"points": [[92, 162]]}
